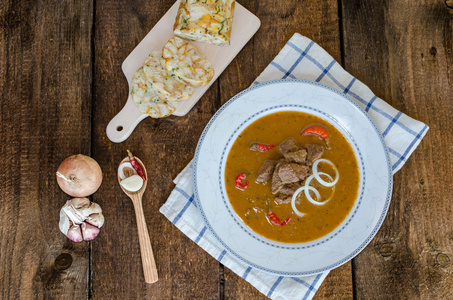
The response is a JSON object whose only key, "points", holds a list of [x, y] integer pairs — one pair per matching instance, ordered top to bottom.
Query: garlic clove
{"points": [[132, 183], [96, 220], [89, 231], [74, 233]]}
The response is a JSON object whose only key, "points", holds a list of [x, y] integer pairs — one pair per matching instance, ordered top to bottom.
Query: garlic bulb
{"points": [[80, 219]]}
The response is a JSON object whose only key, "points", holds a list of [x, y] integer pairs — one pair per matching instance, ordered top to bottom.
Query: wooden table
{"points": [[61, 83]]}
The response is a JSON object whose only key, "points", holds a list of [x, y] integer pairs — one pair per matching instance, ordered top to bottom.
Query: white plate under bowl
{"points": [[245, 24], [288, 259]]}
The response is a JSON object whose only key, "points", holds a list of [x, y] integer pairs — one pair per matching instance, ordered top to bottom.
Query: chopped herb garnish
{"points": [[221, 27]]}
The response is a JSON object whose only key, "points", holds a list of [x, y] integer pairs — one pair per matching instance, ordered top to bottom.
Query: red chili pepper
{"points": [[317, 130], [261, 147], [136, 165], [239, 178], [272, 217]]}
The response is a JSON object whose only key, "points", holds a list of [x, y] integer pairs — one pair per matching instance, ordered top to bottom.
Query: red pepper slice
{"points": [[318, 131], [261, 147], [136, 165], [239, 178], [272, 217]]}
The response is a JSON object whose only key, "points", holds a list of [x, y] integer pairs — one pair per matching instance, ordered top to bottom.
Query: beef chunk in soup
{"points": [[288, 145], [314, 152], [298, 156], [301, 171], [265, 172], [287, 174], [277, 182], [289, 189], [286, 193], [283, 199]]}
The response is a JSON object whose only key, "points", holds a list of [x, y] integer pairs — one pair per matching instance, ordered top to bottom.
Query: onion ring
{"points": [[125, 165], [319, 179], [297, 192], [307, 194]]}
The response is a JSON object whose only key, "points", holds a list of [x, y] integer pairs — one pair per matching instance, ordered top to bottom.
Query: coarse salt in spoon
{"points": [[149, 264]]}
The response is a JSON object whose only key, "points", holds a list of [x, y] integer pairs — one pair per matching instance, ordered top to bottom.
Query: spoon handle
{"points": [[148, 262]]}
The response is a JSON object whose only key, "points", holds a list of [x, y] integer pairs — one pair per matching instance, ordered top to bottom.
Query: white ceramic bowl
{"points": [[285, 259]]}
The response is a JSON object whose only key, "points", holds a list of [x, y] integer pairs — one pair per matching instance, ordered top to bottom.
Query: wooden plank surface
{"points": [[403, 51], [62, 83], [45, 116]]}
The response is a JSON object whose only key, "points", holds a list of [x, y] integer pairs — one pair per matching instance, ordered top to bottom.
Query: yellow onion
{"points": [[79, 175]]}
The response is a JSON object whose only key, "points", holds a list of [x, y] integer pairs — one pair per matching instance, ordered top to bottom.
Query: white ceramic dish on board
{"points": [[245, 24], [285, 259]]}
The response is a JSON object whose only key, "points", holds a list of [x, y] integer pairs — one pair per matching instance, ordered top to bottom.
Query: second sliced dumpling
{"points": [[183, 60], [165, 84]]}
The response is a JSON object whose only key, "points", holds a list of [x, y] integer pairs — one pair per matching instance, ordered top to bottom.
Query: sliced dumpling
{"points": [[207, 21], [183, 60], [166, 85], [148, 99]]}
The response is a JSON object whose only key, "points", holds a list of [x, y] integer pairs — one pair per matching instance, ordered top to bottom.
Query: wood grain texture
{"points": [[403, 51], [59, 93], [45, 117]]}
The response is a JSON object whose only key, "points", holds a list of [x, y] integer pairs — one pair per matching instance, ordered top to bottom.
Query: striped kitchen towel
{"points": [[300, 58]]}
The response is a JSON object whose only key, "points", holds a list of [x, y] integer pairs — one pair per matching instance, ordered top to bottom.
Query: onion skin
{"points": [[79, 176]]}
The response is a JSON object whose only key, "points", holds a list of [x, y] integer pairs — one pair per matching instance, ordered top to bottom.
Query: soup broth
{"points": [[253, 203]]}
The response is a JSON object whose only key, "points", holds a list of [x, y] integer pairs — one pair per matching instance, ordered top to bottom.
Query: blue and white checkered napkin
{"points": [[301, 58]]}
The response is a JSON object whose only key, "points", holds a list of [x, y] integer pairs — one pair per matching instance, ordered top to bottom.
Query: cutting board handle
{"points": [[124, 123]]}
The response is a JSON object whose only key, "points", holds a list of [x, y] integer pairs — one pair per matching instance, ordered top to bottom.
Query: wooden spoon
{"points": [[149, 264]]}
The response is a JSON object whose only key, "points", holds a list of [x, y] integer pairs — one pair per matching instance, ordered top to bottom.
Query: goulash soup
{"points": [[292, 177]]}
